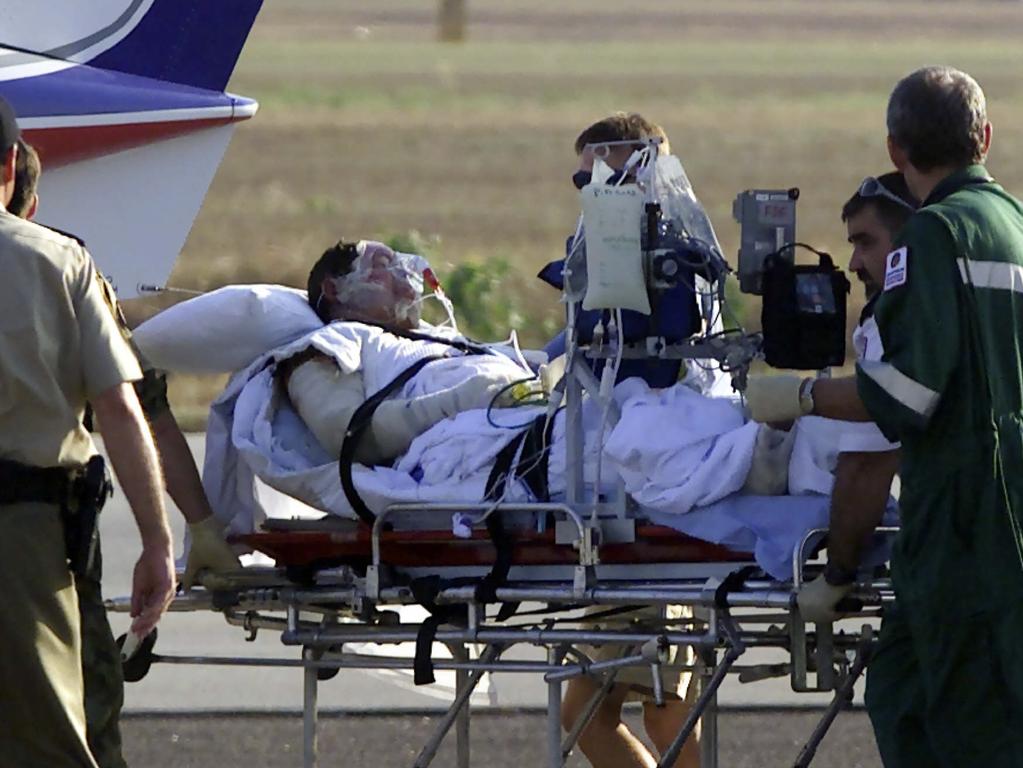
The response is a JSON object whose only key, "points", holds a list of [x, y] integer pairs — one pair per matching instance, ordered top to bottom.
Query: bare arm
{"points": [[839, 399], [133, 455], [180, 473], [863, 483]]}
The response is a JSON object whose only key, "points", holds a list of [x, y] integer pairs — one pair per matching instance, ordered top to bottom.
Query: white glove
{"points": [[773, 399], [769, 471], [208, 551], [817, 600]]}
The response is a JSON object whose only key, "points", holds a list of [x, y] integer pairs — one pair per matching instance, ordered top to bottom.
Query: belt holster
{"points": [[90, 488], [79, 492]]}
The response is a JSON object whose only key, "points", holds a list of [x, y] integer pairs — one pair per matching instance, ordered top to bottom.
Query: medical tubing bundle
{"points": [[426, 589]]}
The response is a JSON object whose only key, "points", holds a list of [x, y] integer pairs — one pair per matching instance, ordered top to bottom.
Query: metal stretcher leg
{"points": [[708, 695], [843, 695], [309, 709], [459, 709], [709, 719], [462, 725], [554, 756]]}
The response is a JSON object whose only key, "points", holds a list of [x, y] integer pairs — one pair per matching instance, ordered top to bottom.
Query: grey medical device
{"points": [[767, 221]]}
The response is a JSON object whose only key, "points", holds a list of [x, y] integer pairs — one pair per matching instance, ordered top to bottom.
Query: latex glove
{"points": [[774, 398], [769, 471], [208, 551], [152, 588], [817, 600]]}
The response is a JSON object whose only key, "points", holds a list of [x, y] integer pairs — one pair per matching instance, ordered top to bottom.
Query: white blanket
{"points": [[676, 450]]}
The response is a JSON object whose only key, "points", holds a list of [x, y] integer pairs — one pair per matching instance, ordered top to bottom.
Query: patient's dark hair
{"points": [[335, 262]]}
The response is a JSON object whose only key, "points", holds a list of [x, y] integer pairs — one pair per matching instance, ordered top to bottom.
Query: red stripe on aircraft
{"points": [[71, 144]]}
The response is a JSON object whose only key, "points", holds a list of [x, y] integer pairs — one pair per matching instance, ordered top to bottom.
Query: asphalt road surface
{"points": [[749, 739]]}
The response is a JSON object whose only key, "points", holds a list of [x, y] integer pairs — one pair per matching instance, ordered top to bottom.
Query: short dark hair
{"points": [[937, 115], [619, 126], [26, 179], [891, 214], [335, 262]]}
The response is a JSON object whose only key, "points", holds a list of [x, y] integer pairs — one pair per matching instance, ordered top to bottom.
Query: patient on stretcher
{"points": [[274, 433], [435, 437]]}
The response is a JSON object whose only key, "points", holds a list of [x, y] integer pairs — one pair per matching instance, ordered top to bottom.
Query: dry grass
{"points": [[368, 128]]}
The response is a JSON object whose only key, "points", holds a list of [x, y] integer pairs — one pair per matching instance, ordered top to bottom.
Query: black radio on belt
{"points": [[803, 315]]}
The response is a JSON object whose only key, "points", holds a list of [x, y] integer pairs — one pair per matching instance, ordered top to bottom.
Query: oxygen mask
{"points": [[382, 287]]}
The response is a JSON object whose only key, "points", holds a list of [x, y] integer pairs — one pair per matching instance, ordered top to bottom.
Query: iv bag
{"points": [[612, 217]]}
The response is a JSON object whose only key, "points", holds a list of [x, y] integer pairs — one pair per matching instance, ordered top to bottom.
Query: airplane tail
{"points": [[188, 42], [191, 42]]}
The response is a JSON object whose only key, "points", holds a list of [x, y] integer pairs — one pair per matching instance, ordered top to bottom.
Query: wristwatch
{"points": [[806, 396], [837, 576]]}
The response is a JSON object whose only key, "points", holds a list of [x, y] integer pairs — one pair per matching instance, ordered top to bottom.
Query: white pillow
{"points": [[226, 329]]}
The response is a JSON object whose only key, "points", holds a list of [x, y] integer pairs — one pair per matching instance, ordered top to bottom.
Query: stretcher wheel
{"points": [[136, 666], [326, 673]]}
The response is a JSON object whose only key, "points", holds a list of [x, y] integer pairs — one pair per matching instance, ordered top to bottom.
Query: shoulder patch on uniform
{"points": [[896, 268]]}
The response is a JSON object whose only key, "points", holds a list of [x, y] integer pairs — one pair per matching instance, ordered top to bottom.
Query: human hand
{"points": [[774, 399], [208, 551], [152, 588], [817, 600]]}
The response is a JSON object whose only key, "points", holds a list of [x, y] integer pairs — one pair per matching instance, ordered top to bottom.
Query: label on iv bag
{"points": [[612, 217]]}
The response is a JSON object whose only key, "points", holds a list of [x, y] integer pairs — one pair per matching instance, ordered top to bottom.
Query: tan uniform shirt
{"points": [[59, 345], [152, 387]]}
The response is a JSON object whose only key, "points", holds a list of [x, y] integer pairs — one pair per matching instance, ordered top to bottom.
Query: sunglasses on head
{"points": [[871, 187]]}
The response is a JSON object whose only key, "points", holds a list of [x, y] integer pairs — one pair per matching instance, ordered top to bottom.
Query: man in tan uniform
{"points": [[59, 345], [101, 658]]}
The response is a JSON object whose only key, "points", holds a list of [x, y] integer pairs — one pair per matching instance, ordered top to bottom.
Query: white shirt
{"points": [[868, 438]]}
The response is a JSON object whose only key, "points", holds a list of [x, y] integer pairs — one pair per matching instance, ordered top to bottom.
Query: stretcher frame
{"points": [[591, 538], [352, 603]]}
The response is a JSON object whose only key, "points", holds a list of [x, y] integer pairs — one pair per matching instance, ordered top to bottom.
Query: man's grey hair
{"points": [[937, 116]]}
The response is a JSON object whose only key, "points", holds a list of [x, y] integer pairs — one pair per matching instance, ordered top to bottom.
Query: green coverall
{"points": [[945, 687]]}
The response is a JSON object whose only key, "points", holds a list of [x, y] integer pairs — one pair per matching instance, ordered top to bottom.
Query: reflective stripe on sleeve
{"points": [[992, 274], [899, 386]]}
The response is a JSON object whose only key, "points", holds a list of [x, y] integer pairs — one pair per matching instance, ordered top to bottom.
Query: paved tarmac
{"points": [[749, 739]]}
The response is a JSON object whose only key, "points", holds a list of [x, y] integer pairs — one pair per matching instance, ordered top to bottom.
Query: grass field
{"points": [[369, 128]]}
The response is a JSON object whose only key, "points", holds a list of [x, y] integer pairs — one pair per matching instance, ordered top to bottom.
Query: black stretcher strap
{"points": [[357, 427], [732, 583], [425, 590]]}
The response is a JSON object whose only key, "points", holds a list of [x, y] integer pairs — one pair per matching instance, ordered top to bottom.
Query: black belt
{"points": [[23, 483]]}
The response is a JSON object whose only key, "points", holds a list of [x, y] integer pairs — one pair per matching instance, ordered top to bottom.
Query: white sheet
{"points": [[679, 453]]}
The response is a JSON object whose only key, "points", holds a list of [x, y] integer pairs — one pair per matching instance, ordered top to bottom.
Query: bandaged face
{"points": [[382, 287]]}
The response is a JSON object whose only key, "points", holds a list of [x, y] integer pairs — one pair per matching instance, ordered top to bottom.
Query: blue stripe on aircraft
{"points": [[86, 90]]}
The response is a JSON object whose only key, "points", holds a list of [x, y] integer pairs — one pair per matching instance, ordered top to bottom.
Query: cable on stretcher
{"points": [[593, 491]]}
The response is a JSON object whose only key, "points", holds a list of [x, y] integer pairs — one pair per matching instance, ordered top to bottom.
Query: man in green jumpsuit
{"points": [[945, 686]]}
